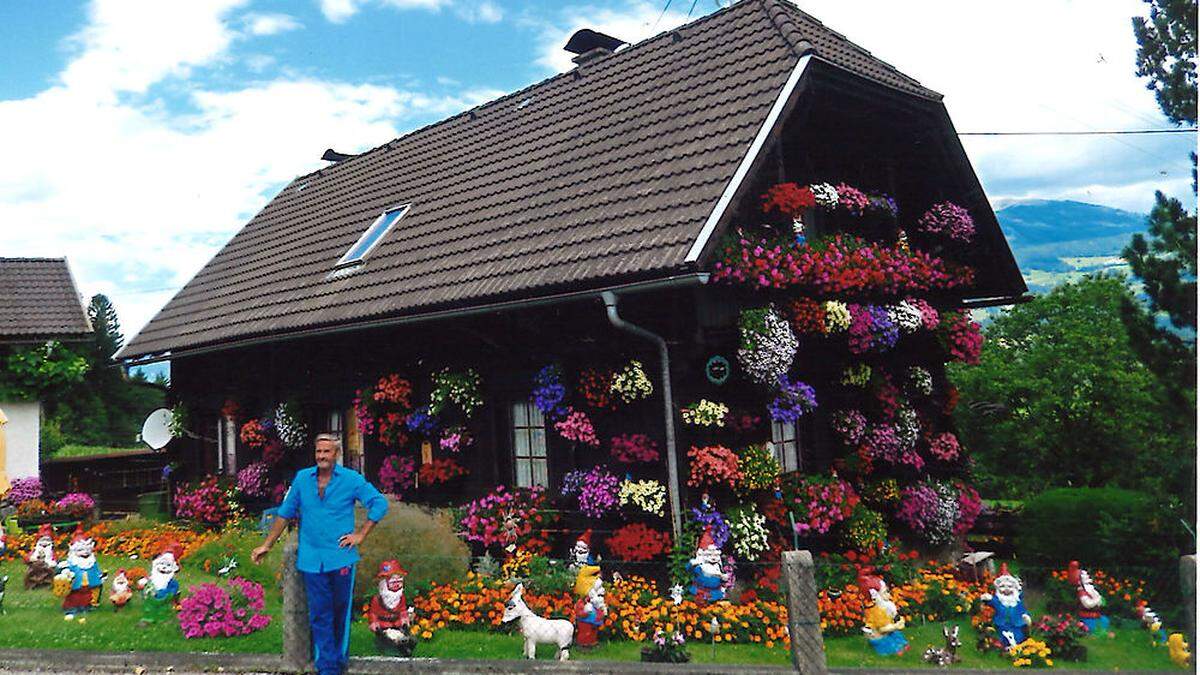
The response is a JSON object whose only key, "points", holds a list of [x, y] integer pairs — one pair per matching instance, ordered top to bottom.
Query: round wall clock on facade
{"points": [[717, 369]]}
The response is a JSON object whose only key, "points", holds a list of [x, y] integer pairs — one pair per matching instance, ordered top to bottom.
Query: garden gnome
{"points": [[40, 563], [584, 564], [83, 571], [708, 579], [160, 590], [121, 592], [1090, 600], [590, 612], [388, 615], [1011, 617], [1149, 619], [883, 625], [1178, 650]]}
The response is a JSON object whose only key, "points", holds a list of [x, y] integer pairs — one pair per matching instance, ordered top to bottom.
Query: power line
{"points": [[1115, 132]]}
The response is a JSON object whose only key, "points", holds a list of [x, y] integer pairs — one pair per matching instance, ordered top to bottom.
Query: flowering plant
{"points": [[825, 195], [789, 199], [851, 199], [948, 220], [807, 316], [837, 316], [906, 316], [929, 316], [871, 329], [961, 337], [768, 345], [856, 375], [921, 380], [632, 383], [596, 387], [462, 389], [395, 390], [549, 393], [793, 401], [705, 413], [422, 420], [743, 422], [289, 425], [850, 425], [908, 427], [578, 428], [393, 429], [253, 433], [455, 439], [884, 442], [944, 446], [630, 448], [272, 452], [713, 465], [758, 467], [440, 471], [396, 474], [252, 480], [25, 489], [598, 490], [648, 495], [207, 502], [817, 503], [75, 504], [969, 508], [935, 510], [706, 516], [508, 517], [864, 528], [748, 529], [638, 542], [212, 610], [1062, 633], [667, 648], [1032, 653]]}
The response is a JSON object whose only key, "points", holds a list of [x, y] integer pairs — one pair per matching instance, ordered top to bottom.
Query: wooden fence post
{"points": [[1187, 583], [804, 620], [297, 636]]}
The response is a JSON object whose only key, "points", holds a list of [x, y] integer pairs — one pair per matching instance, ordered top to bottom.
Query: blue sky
{"points": [[141, 134]]}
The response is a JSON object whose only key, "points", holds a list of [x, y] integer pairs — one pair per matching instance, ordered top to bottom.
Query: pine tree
{"points": [[1167, 55], [106, 328]]}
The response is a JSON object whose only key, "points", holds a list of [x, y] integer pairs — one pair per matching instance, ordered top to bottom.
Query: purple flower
{"points": [[949, 220], [549, 393], [794, 400], [24, 489]]}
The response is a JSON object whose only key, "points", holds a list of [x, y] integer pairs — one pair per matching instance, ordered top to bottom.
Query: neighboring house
{"points": [[535, 228], [38, 302]]}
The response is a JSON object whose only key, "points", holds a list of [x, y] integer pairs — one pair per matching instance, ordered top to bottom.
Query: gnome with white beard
{"points": [[40, 564], [82, 571], [709, 580], [160, 590], [120, 592], [1090, 600], [1008, 601], [388, 615], [883, 624]]}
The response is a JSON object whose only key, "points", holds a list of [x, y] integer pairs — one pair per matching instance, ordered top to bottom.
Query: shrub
{"points": [[50, 436], [1121, 531], [422, 540], [237, 543], [549, 576], [233, 609]]}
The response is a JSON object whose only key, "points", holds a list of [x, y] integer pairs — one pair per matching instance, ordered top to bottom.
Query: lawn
{"points": [[76, 451], [33, 620]]}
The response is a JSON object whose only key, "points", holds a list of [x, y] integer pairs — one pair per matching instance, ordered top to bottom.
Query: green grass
{"points": [[75, 451], [33, 620]]}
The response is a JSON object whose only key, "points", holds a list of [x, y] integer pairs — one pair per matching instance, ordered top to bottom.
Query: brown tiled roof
{"points": [[604, 173], [38, 300]]}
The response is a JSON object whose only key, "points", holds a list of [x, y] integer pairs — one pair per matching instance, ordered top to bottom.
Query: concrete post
{"points": [[1187, 583], [804, 620], [297, 637]]}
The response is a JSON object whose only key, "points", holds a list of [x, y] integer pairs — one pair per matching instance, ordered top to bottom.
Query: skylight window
{"points": [[374, 234]]}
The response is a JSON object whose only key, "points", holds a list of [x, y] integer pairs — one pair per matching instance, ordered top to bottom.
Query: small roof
{"points": [[605, 174], [39, 301]]}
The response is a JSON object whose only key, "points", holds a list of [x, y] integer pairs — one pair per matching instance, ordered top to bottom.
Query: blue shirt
{"points": [[325, 520]]}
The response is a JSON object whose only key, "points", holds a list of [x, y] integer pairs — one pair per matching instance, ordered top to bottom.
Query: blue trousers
{"points": [[329, 616]]}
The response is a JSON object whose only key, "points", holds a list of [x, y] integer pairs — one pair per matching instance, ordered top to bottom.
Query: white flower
{"points": [[825, 195], [906, 316], [769, 348]]}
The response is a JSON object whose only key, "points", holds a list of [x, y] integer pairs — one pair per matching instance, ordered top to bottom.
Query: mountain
{"points": [[1058, 240]]}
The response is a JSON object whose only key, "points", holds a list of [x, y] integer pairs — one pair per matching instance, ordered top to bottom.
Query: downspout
{"points": [[610, 305]]}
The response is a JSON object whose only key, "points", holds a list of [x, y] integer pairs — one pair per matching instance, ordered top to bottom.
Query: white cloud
{"points": [[339, 11], [482, 11], [632, 22], [270, 24], [139, 197]]}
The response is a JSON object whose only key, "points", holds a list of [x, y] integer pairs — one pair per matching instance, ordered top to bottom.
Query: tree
{"points": [[1167, 55], [106, 328], [1062, 398]]}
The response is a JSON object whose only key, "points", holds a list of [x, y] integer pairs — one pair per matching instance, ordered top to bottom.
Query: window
{"points": [[374, 234], [785, 440], [529, 445]]}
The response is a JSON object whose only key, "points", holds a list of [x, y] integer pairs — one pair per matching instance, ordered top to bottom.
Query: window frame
{"points": [[347, 262], [780, 444], [530, 457]]}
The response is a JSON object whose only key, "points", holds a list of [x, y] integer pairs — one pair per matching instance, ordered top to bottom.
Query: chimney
{"points": [[589, 45]]}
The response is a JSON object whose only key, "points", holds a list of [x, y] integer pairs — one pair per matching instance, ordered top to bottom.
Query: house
{"points": [[576, 222], [38, 303]]}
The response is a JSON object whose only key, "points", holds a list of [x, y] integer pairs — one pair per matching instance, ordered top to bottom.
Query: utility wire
{"points": [[1119, 132]]}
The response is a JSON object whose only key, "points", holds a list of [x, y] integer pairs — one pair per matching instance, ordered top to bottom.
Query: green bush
{"points": [[50, 436], [1119, 531], [423, 540], [238, 543], [547, 576]]}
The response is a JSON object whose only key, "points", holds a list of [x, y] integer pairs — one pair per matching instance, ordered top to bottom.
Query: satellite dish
{"points": [[156, 430]]}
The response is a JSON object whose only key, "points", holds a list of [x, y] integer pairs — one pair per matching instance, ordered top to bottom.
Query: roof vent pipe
{"points": [[589, 45], [610, 305]]}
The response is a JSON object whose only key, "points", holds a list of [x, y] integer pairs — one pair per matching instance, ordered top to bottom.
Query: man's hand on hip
{"points": [[351, 540]]}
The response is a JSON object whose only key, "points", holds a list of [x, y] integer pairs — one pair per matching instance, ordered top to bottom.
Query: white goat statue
{"points": [[536, 629]]}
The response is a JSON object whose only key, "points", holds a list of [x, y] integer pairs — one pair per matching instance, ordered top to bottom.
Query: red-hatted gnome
{"points": [[583, 562], [40, 563], [82, 571], [709, 580], [160, 590], [120, 591], [1090, 600], [590, 612], [388, 615], [1011, 617], [882, 621]]}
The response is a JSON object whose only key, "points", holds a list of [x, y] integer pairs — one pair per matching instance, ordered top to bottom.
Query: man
{"points": [[323, 498]]}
